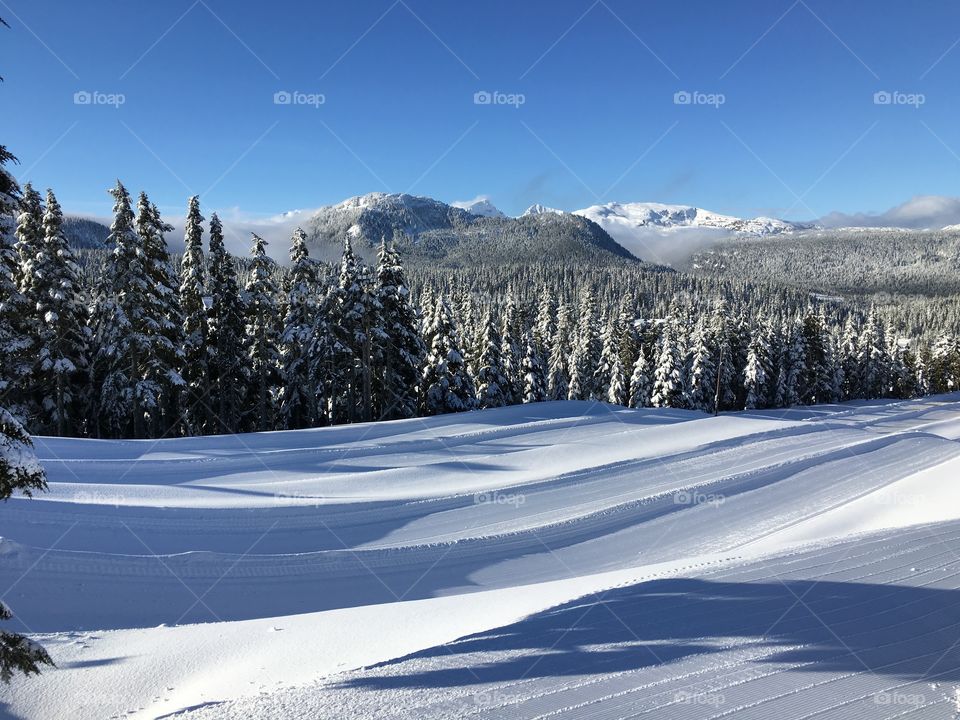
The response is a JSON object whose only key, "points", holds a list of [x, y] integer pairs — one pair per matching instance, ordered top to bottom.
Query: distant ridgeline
{"points": [[452, 312]]}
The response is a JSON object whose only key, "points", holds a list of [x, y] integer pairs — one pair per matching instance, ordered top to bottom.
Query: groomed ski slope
{"points": [[560, 559]]}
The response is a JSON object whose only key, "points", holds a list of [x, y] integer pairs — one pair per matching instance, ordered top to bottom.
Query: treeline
{"points": [[143, 346]]}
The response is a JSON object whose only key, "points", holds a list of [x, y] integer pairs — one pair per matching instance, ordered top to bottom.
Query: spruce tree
{"points": [[164, 329], [63, 336], [262, 337], [402, 349], [227, 364], [534, 375], [756, 375], [558, 376], [491, 382], [641, 382], [447, 387], [667, 388], [298, 397], [197, 415]]}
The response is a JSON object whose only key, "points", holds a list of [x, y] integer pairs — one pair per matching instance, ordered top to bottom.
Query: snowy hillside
{"points": [[429, 231], [665, 233], [520, 562]]}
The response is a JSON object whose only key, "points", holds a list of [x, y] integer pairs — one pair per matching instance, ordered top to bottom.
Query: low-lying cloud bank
{"points": [[922, 212]]}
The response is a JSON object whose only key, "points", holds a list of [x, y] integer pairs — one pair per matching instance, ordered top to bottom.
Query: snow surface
{"points": [[568, 559]]}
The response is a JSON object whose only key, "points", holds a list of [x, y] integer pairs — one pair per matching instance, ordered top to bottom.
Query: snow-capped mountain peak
{"points": [[480, 205], [539, 209]]}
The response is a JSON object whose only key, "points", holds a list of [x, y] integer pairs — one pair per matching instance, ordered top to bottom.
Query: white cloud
{"points": [[918, 213]]}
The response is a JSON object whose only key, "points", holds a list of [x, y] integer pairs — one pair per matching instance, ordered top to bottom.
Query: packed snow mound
{"points": [[555, 558]]}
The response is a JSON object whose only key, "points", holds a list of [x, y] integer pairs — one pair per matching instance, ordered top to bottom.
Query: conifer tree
{"points": [[164, 328], [62, 333], [14, 336], [262, 337], [402, 349], [511, 353], [227, 363], [757, 373], [534, 375], [558, 377], [667, 379], [702, 379], [641, 382], [492, 385], [447, 387], [298, 397], [197, 413]]}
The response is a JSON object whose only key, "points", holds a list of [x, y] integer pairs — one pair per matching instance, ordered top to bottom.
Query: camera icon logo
{"points": [[82, 97], [282, 97], [482, 97]]}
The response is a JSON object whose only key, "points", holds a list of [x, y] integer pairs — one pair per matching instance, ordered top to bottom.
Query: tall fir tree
{"points": [[165, 327], [262, 338], [402, 350], [227, 363], [62, 367], [534, 374], [491, 382], [447, 387], [298, 397], [197, 414]]}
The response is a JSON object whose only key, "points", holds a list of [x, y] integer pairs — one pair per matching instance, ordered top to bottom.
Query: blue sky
{"points": [[798, 133]]}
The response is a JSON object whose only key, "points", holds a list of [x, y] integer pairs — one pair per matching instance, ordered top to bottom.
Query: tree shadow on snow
{"points": [[907, 632]]}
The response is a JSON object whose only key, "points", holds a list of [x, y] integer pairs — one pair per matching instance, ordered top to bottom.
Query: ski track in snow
{"points": [[559, 559]]}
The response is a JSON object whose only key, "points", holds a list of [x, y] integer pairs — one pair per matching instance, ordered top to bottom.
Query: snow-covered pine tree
{"points": [[29, 234], [123, 327], [165, 327], [361, 332], [511, 335], [14, 336], [63, 336], [262, 337], [402, 351], [724, 355], [585, 356], [873, 359], [227, 363], [794, 366], [944, 366], [534, 375], [756, 375], [818, 375], [558, 376], [609, 376], [702, 379], [641, 382], [492, 385], [447, 387], [667, 388], [22, 394], [298, 397], [197, 415], [19, 472]]}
